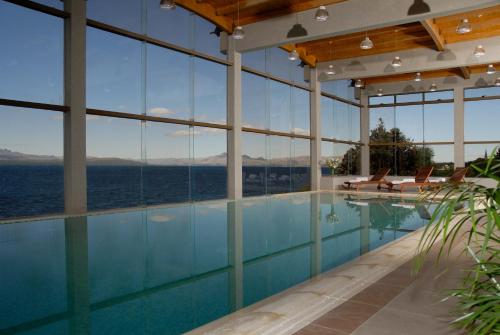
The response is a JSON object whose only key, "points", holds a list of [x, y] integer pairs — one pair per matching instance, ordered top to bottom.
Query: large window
{"points": [[481, 119], [409, 131]]}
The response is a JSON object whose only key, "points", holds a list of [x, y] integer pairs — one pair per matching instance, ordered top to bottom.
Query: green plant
{"points": [[469, 214]]}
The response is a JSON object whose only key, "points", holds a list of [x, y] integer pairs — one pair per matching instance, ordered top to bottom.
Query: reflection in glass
{"points": [[126, 14], [173, 26], [31, 61], [114, 72], [340, 88], [31, 162], [254, 164], [301, 165], [278, 172]]}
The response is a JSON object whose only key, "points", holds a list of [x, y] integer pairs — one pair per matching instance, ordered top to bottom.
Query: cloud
{"points": [[160, 111], [92, 117], [300, 131], [182, 133], [161, 218]]}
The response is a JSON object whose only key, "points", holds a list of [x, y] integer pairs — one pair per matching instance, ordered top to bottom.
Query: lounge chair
{"points": [[457, 177], [377, 179], [421, 180]]}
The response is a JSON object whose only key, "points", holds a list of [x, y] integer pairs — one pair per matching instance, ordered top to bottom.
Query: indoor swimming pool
{"points": [[168, 270]]}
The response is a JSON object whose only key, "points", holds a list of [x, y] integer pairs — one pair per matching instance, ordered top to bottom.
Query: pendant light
{"points": [[167, 4], [321, 14], [464, 27], [297, 29], [238, 32], [367, 43], [479, 51], [293, 55], [396, 62], [491, 69], [331, 70], [418, 76], [497, 82], [358, 83], [433, 88], [380, 92]]}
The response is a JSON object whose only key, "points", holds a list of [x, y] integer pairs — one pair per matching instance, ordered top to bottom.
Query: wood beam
{"points": [[208, 12], [433, 31], [307, 59], [465, 70]]}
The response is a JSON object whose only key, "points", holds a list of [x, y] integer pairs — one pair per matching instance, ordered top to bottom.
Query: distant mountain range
{"points": [[8, 157]]}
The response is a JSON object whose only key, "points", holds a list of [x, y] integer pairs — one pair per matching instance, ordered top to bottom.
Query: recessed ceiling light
{"points": [[167, 4], [321, 14], [464, 27], [366, 44], [479, 51], [293, 55], [396, 62], [491, 69], [418, 76], [380, 92]]}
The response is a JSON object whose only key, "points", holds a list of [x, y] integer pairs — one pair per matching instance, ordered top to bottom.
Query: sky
{"points": [[125, 75]]}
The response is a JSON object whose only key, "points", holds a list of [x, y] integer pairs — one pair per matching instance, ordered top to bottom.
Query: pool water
{"points": [[169, 270]]}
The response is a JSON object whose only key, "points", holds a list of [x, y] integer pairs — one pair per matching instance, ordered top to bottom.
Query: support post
{"points": [[315, 130], [365, 134], [458, 151], [234, 159], [75, 174], [235, 235], [316, 236]]}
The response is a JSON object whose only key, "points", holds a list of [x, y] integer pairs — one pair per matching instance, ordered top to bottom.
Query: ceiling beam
{"points": [[208, 12], [349, 17], [434, 33], [307, 59], [416, 60], [465, 71]]}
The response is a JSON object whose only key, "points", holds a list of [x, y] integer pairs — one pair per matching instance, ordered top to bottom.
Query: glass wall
{"points": [[481, 119], [409, 131], [31, 140]]}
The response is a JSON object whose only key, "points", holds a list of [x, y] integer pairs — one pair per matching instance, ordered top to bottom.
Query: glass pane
{"points": [[59, 4], [126, 14], [173, 26], [205, 37], [32, 57], [255, 60], [278, 63], [114, 72], [298, 74], [168, 83], [340, 88], [210, 91], [482, 92], [441, 95], [414, 97], [386, 99], [254, 101], [279, 107], [301, 107], [481, 120], [341, 121], [355, 123], [410, 123], [438, 123], [382, 124], [327, 130], [326, 153], [477, 154], [350, 156], [382, 156], [441, 157], [409, 158], [31, 162], [114, 162], [254, 164], [301, 165], [209, 171], [166, 172], [278, 173]]}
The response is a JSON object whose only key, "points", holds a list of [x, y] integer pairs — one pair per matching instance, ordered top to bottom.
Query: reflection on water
{"points": [[169, 270]]}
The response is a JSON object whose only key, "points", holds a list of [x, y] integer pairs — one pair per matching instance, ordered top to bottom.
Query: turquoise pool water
{"points": [[169, 270]]}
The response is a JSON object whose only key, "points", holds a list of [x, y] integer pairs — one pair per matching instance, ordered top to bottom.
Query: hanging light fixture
{"points": [[167, 4], [321, 14], [464, 27], [297, 29], [238, 32], [367, 43], [479, 51], [293, 55], [396, 62], [491, 69], [331, 70], [418, 76], [497, 82], [358, 83], [433, 88], [380, 92]]}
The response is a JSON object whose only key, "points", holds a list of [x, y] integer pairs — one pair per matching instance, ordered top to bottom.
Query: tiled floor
{"points": [[399, 303]]}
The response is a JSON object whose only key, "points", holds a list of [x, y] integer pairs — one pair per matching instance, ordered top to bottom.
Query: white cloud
{"points": [[160, 111], [161, 218]]}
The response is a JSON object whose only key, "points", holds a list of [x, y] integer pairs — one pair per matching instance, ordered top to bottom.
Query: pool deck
{"points": [[373, 294]]}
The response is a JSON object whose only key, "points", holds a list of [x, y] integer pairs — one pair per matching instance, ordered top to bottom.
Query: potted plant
{"points": [[333, 163], [474, 209]]}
